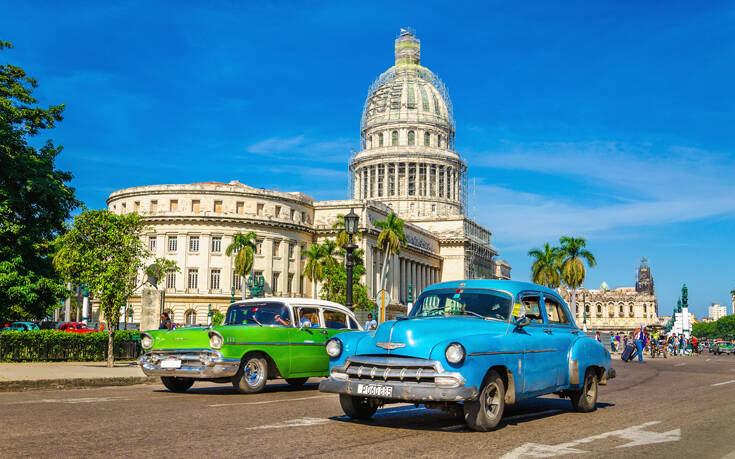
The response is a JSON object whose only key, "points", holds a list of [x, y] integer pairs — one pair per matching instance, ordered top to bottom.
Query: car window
{"points": [[463, 301], [532, 304], [555, 312], [265, 313], [310, 314], [335, 319], [353, 324]]}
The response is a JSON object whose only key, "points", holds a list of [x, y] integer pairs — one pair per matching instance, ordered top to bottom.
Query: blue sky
{"points": [[611, 121]]}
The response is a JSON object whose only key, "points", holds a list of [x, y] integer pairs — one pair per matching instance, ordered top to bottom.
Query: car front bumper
{"points": [[195, 363], [406, 392]]}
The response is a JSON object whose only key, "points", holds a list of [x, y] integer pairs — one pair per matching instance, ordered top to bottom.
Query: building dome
{"points": [[604, 286]]}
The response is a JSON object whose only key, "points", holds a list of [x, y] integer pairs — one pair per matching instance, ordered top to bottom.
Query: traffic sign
{"points": [[383, 300]]}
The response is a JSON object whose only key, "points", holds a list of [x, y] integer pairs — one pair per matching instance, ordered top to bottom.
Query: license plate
{"points": [[171, 363], [376, 390]]}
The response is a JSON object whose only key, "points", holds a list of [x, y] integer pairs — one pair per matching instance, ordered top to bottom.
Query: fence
{"points": [[47, 345]]}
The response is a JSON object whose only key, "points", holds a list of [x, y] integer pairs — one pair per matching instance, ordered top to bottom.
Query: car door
{"points": [[560, 335], [308, 355], [538, 372]]}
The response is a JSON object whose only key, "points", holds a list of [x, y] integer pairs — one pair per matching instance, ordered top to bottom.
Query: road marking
{"points": [[708, 360], [680, 364], [723, 383], [70, 400], [270, 401], [531, 415], [293, 423], [635, 436]]}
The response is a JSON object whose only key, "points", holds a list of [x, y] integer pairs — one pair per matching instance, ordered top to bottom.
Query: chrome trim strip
{"points": [[261, 343], [532, 351]]}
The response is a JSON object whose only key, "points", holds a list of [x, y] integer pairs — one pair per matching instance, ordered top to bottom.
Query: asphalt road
{"points": [[677, 407]]}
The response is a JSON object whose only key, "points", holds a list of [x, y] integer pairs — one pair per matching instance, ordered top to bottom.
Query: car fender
{"points": [[586, 352]]}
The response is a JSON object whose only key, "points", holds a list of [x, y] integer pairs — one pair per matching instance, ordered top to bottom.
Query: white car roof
{"points": [[299, 302]]}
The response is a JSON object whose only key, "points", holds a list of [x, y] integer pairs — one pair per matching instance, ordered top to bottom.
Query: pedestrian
{"points": [[165, 322], [371, 323], [597, 337], [640, 341]]}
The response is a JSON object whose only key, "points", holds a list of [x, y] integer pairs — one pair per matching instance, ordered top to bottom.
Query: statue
{"points": [[684, 296]]}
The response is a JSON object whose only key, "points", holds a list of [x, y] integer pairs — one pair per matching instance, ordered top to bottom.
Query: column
{"points": [[371, 177], [395, 179], [436, 180], [356, 184], [404, 191], [268, 268], [297, 270], [369, 276], [394, 277], [283, 280], [402, 281]]}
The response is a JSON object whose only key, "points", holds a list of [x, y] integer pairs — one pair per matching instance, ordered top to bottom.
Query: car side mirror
{"points": [[522, 321], [305, 323]]}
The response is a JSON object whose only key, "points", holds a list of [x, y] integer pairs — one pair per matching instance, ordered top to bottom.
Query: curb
{"points": [[74, 383]]}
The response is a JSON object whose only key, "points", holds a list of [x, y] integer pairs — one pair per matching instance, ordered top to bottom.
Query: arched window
{"points": [[394, 138], [411, 138], [380, 139], [427, 139], [587, 308], [599, 309], [190, 317]]}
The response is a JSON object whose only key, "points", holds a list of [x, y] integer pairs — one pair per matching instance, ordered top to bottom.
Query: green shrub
{"points": [[50, 345]]}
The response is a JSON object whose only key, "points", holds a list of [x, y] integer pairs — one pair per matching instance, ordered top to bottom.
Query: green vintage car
{"points": [[261, 339], [723, 347]]}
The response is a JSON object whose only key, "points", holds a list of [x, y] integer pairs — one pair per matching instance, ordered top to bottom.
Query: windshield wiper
{"points": [[475, 314], [256, 321]]}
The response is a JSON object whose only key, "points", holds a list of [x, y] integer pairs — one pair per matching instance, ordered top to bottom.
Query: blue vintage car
{"points": [[21, 326], [470, 347]]}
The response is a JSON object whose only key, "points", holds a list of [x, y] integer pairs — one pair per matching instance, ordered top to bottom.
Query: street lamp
{"points": [[351, 221], [232, 298], [209, 315], [130, 316]]}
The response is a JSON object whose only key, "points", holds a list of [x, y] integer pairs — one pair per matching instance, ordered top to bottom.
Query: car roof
{"points": [[510, 286], [297, 302]]}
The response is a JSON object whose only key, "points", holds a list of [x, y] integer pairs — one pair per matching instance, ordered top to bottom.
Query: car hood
{"points": [[421, 335], [186, 338]]}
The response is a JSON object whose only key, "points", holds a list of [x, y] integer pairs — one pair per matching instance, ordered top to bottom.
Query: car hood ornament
{"points": [[390, 346]]}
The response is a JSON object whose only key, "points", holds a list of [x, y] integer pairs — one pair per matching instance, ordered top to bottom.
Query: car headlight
{"points": [[215, 340], [146, 341], [334, 347], [455, 353]]}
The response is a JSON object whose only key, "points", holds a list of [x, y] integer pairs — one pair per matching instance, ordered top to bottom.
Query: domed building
{"points": [[407, 164]]}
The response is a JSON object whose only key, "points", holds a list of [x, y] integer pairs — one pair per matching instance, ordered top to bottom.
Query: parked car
{"points": [[20, 326], [75, 327], [260, 339], [470, 347], [723, 347]]}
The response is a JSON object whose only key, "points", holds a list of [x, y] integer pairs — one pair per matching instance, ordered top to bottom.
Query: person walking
{"points": [[165, 322], [640, 341], [612, 342]]}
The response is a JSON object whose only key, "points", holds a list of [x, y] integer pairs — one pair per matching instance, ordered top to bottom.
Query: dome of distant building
{"points": [[604, 286]]}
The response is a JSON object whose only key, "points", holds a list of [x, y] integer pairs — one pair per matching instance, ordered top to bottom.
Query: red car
{"points": [[75, 327]]}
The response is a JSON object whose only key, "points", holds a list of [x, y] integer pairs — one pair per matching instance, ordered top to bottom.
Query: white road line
{"points": [[708, 360], [680, 364], [723, 383], [70, 400], [264, 402], [531, 415], [293, 423]]}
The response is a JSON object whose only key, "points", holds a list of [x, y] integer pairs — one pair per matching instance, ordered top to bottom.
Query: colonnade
{"points": [[408, 179], [403, 271]]}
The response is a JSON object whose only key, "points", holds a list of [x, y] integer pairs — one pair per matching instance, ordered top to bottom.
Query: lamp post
{"points": [[351, 221], [232, 298], [209, 315], [130, 316], [125, 317]]}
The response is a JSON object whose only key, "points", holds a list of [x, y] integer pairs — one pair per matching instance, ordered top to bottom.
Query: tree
{"points": [[35, 200], [342, 236], [390, 240], [244, 246], [330, 250], [104, 252], [573, 254], [546, 267], [313, 269], [217, 318]]}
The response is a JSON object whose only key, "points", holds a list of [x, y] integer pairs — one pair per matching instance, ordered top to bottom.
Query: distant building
{"points": [[621, 309], [716, 310]]}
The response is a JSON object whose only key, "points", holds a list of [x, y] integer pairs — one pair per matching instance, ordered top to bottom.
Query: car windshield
{"points": [[463, 301], [258, 314]]}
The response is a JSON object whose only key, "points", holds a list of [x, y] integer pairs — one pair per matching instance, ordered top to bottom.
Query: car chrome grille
{"points": [[391, 368]]}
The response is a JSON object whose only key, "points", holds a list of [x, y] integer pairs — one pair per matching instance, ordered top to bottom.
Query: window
{"points": [[424, 99], [411, 102], [394, 138], [411, 138], [427, 139], [380, 140], [136, 206], [154, 206], [173, 206], [195, 206], [123, 207], [218, 207], [240, 207], [433, 208], [260, 210], [278, 211], [293, 214], [303, 217], [152, 243], [172, 243], [194, 244], [217, 244], [258, 247], [276, 248], [290, 250], [193, 278], [171, 279], [214, 279], [236, 280], [290, 283], [274, 284], [587, 308], [644, 308], [533, 309], [599, 309], [621, 309], [631, 309], [555, 312], [310, 314], [190, 317], [335, 319], [353, 325]]}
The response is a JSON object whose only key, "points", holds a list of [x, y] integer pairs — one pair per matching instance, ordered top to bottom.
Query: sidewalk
{"points": [[66, 375]]}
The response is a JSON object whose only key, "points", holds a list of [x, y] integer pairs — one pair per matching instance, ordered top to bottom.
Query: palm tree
{"points": [[339, 225], [390, 241], [244, 245], [329, 250], [573, 253], [546, 267], [313, 269]]}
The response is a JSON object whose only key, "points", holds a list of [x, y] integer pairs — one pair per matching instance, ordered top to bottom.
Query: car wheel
{"points": [[251, 376], [296, 381], [175, 384], [585, 400], [357, 407], [485, 413]]}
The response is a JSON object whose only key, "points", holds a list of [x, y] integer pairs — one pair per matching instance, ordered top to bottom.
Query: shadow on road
{"points": [[226, 389]]}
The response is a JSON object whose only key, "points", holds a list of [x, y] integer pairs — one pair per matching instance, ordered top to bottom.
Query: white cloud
{"points": [[302, 147]]}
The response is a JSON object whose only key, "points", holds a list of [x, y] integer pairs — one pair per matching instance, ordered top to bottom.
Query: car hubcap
{"points": [[253, 373], [492, 400]]}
